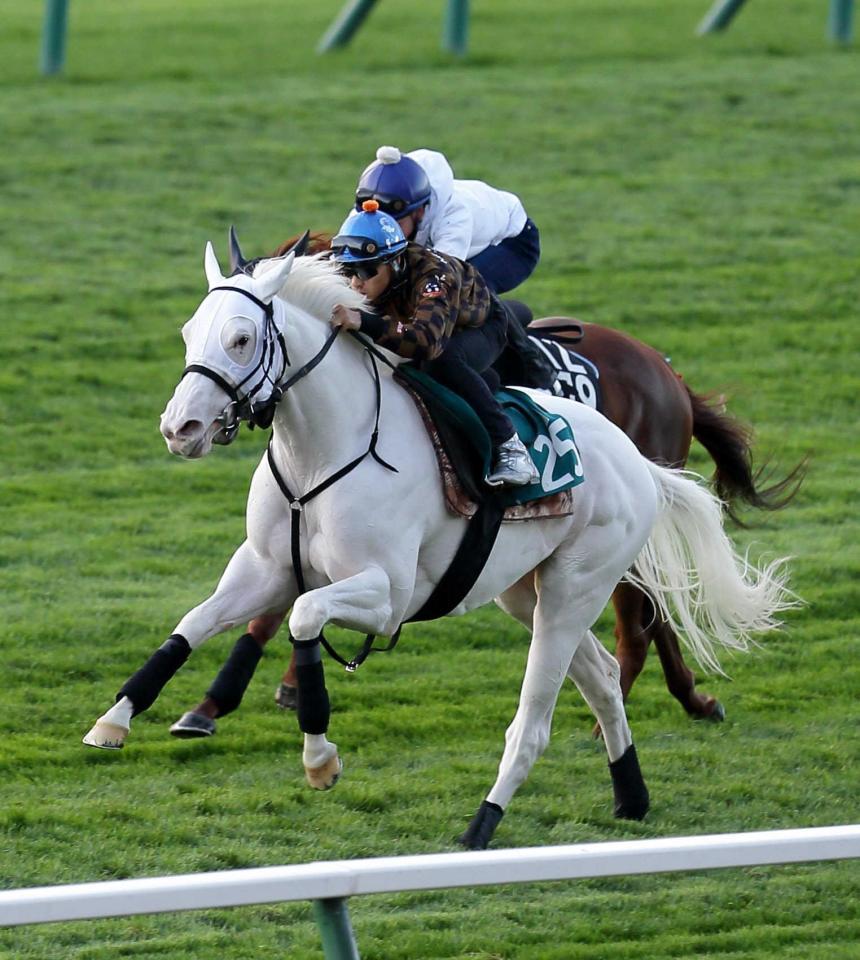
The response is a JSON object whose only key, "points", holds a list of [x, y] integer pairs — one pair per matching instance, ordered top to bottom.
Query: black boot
{"points": [[522, 363]]}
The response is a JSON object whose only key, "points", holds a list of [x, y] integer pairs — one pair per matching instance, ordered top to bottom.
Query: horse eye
{"points": [[243, 340]]}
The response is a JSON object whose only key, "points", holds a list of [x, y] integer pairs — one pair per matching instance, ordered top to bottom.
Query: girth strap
{"points": [[469, 560]]}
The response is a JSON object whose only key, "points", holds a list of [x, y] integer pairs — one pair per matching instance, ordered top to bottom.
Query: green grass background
{"points": [[703, 195]]}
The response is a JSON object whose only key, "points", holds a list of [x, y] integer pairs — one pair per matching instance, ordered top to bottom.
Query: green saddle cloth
{"points": [[547, 436]]}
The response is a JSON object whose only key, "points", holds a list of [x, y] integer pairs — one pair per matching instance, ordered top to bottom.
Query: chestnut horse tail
{"points": [[729, 442]]}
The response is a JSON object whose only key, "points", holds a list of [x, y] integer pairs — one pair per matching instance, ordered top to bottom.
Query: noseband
{"points": [[243, 407]]}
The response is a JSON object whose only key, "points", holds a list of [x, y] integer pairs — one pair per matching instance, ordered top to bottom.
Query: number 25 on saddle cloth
{"points": [[463, 451]]}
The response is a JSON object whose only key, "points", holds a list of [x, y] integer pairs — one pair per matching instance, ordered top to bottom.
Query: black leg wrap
{"points": [[233, 678], [143, 688], [312, 706], [631, 794], [480, 831]]}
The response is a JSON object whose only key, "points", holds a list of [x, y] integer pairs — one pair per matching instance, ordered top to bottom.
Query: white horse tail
{"points": [[701, 585]]}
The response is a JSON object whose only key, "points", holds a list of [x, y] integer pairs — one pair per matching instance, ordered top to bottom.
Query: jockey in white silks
{"points": [[466, 219]]}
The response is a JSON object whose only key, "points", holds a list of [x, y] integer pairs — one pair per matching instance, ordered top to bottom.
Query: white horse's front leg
{"points": [[250, 585], [362, 602]]}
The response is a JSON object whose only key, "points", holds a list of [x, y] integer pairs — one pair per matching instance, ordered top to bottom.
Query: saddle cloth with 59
{"points": [[576, 378]]}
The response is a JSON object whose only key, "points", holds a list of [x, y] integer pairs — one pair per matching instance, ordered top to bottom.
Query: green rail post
{"points": [[719, 16], [839, 22], [344, 27], [54, 36], [455, 38], [338, 941]]}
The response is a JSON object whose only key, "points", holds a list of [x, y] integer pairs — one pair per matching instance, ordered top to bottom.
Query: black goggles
{"points": [[393, 206], [359, 246], [364, 271]]}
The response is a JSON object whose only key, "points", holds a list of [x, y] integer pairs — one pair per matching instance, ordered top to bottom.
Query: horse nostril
{"points": [[189, 428]]}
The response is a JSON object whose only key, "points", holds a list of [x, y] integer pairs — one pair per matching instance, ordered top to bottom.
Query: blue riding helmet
{"points": [[397, 183], [368, 236]]}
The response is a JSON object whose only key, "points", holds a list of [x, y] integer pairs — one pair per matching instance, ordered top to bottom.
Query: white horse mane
{"points": [[315, 286]]}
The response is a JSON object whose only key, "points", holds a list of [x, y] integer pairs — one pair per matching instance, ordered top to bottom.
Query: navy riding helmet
{"points": [[397, 183]]}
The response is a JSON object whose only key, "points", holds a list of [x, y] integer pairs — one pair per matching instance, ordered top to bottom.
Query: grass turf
{"points": [[702, 195]]}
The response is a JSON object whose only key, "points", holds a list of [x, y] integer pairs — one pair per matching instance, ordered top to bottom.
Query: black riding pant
{"points": [[463, 367]]}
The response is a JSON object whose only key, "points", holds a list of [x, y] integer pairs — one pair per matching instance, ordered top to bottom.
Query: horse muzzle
{"points": [[191, 440]]}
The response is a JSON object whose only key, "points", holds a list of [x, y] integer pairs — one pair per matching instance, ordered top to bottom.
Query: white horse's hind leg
{"points": [[572, 586], [560, 623], [593, 669], [598, 677]]}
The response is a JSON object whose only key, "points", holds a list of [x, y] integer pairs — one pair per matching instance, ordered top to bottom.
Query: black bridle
{"points": [[244, 407]]}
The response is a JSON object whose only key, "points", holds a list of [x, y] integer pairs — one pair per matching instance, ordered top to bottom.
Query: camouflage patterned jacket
{"points": [[418, 315]]}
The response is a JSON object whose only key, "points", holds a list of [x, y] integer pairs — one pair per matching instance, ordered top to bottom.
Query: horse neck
{"points": [[327, 417]]}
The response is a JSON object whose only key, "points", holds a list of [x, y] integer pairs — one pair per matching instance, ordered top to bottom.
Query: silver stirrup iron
{"points": [[513, 465]]}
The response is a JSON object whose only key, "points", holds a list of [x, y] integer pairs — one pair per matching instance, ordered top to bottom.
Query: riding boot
{"points": [[522, 363]]}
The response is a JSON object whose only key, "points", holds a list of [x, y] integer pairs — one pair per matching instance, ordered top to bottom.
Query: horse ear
{"points": [[300, 247], [238, 263], [210, 264], [267, 285]]}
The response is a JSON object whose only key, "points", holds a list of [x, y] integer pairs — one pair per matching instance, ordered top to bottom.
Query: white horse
{"points": [[373, 544]]}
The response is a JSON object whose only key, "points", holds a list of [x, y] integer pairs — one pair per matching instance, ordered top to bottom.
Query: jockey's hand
{"points": [[342, 316]]}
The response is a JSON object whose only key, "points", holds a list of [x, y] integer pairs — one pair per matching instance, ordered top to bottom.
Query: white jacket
{"points": [[464, 217]]}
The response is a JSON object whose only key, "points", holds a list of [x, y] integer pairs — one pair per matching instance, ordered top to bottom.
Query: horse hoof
{"points": [[285, 697], [718, 714], [192, 725], [106, 736], [326, 776], [482, 827]]}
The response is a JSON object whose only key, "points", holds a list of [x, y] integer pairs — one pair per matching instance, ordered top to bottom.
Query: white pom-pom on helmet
{"points": [[388, 155]]}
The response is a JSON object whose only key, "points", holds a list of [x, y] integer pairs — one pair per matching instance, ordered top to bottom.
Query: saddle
{"points": [[464, 451]]}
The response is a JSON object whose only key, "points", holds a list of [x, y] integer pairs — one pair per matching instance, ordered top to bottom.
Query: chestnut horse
{"points": [[653, 405]]}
